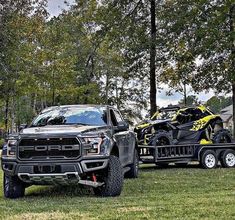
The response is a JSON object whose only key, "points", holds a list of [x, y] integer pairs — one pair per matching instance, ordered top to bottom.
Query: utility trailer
{"points": [[207, 155]]}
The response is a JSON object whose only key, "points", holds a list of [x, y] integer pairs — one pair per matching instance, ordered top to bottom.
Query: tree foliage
{"points": [[206, 31], [99, 52], [217, 103]]}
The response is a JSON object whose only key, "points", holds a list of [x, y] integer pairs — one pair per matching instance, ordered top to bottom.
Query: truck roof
{"points": [[79, 105]]}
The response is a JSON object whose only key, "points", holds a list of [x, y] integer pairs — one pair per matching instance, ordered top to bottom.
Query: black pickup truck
{"points": [[73, 144]]}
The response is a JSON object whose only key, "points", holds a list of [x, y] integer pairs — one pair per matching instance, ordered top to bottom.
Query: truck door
{"points": [[121, 137]]}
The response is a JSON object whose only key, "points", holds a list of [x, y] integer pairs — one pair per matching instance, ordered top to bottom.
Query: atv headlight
{"points": [[97, 145]]}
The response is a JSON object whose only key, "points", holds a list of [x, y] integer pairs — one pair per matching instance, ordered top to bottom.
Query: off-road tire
{"points": [[161, 134], [222, 136], [168, 140], [228, 158], [209, 159], [134, 167], [113, 179], [13, 187]]}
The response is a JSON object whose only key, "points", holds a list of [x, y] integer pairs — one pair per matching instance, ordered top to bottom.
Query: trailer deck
{"points": [[189, 152]]}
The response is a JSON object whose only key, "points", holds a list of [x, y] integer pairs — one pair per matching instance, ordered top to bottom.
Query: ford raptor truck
{"points": [[71, 145]]}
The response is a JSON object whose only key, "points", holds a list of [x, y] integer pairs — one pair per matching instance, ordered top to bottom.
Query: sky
{"points": [[55, 7]]}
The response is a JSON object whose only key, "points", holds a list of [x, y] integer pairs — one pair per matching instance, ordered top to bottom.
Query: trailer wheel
{"points": [[228, 158], [209, 159]]}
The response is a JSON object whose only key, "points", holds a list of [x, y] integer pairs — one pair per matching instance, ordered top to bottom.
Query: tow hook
{"points": [[94, 178]]}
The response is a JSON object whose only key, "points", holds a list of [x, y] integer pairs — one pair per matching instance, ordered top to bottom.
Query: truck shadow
{"points": [[153, 167], [59, 191]]}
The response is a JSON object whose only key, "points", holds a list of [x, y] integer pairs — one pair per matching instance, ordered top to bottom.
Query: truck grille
{"points": [[49, 148]]}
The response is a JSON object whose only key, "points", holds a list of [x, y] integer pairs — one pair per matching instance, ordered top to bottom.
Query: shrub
{"points": [[1, 143]]}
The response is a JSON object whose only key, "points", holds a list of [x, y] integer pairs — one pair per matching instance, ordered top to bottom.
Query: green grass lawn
{"points": [[173, 193]]}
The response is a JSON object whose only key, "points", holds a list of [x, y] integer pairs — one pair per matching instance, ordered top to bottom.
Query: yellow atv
{"points": [[172, 126]]}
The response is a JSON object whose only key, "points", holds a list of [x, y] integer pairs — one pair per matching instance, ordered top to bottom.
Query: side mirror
{"points": [[22, 126], [122, 126]]}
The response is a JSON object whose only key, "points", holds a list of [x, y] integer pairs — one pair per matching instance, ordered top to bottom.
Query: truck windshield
{"points": [[72, 115]]}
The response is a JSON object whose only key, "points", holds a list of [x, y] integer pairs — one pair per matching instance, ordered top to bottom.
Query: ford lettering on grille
{"points": [[50, 148], [64, 148]]}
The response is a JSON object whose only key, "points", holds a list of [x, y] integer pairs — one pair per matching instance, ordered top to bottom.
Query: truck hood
{"points": [[62, 129]]}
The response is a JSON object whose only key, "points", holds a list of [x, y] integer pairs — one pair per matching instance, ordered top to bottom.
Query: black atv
{"points": [[174, 126]]}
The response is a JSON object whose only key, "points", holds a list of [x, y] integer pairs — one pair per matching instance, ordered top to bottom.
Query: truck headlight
{"points": [[97, 145], [11, 148]]}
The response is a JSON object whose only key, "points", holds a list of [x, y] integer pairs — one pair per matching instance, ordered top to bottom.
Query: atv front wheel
{"points": [[162, 138], [112, 178], [13, 187]]}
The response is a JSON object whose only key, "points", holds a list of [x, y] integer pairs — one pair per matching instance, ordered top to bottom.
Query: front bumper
{"points": [[56, 172]]}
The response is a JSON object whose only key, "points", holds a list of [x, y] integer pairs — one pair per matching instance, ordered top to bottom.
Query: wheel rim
{"points": [[230, 159], [210, 160]]}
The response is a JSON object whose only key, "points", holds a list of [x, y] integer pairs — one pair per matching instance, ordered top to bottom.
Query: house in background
{"points": [[227, 117]]}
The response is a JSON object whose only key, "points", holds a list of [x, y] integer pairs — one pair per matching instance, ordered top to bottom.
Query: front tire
{"points": [[228, 158], [209, 159], [134, 167], [112, 178], [13, 187]]}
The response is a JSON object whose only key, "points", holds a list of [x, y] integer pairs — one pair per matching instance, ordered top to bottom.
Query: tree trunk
{"points": [[231, 22], [53, 88], [107, 89], [116, 90], [153, 90], [185, 95], [33, 102], [6, 114], [12, 128]]}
